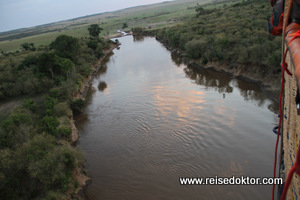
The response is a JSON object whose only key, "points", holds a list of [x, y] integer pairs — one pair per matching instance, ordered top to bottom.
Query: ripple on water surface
{"points": [[158, 120]]}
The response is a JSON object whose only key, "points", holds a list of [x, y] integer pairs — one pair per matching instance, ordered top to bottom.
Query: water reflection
{"points": [[138, 38], [176, 59], [102, 70], [211, 79], [223, 83], [102, 86], [249, 92], [180, 103]]}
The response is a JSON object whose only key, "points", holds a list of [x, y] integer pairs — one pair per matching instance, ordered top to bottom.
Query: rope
{"points": [[296, 167]]}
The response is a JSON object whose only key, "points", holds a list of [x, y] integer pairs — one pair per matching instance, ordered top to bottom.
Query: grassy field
{"points": [[151, 16]]}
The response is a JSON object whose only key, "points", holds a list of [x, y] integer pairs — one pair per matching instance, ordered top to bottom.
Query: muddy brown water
{"points": [[151, 119]]}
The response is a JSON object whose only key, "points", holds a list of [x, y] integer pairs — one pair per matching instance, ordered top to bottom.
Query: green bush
{"points": [[92, 44], [194, 48], [99, 53], [204, 60], [29, 61], [50, 103], [30, 105], [77, 105], [62, 109], [16, 123], [49, 125], [65, 132], [54, 195]]}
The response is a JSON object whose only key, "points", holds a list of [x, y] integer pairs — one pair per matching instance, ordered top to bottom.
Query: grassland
{"points": [[151, 16]]}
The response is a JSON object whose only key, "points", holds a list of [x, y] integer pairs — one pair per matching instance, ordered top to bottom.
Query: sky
{"points": [[15, 14]]}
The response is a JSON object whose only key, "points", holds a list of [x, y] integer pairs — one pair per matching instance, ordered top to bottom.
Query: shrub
{"points": [[92, 44], [28, 46], [194, 48], [99, 53], [204, 60], [28, 62], [50, 103], [29, 104], [77, 105], [61, 109], [49, 125], [65, 132], [54, 195]]}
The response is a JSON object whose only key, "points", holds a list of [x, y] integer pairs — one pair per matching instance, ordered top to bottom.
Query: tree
{"points": [[201, 11], [124, 25], [94, 30], [137, 31], [92, 44], [28, 46], [65, 46], [99, 53], [29, 61], [46, 65], [50, 65], [63, 65], [77, 105]]}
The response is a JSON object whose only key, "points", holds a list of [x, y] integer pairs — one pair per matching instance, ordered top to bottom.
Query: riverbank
{"points": [[80, 173]]}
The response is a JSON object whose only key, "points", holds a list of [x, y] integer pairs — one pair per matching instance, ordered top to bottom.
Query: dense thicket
{"points": [[234, 34], [64, 65], [36, 158]]}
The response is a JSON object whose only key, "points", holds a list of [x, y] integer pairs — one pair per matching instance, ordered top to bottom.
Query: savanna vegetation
{"points": [[233, 34], [37, 159]]}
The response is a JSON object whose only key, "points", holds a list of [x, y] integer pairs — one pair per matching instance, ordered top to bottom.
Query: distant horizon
{"points": [[32, 13]]}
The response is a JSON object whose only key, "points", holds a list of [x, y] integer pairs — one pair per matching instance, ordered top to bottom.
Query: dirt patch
{"points": [[7, 107]]}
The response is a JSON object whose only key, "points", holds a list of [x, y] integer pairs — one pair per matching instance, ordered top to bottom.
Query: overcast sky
{"points": [[16, 14]]}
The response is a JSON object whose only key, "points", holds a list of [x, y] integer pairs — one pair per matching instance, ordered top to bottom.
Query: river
{"points": [[151, 119]]}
